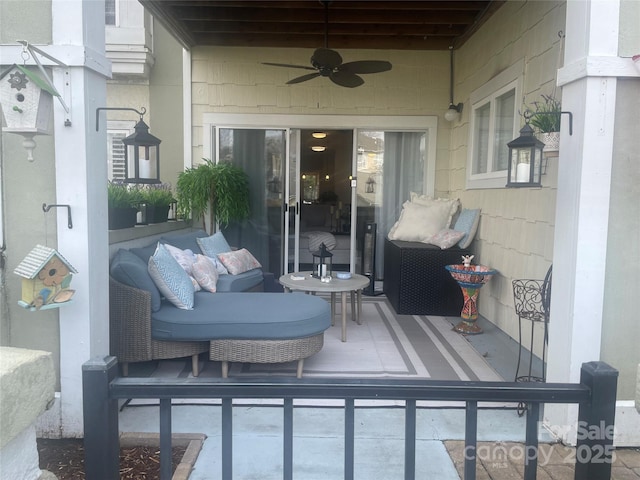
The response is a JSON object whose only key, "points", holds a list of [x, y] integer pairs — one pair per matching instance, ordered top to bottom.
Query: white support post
{"points": [[81, 181], [582, 208]]}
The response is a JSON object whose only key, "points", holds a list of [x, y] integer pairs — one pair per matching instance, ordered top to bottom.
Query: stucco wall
{"points": [[30, 21], [629, 32], [161, 96], [166, 103], [27, 185], [25, 223], [517, 224], [621, 329]]}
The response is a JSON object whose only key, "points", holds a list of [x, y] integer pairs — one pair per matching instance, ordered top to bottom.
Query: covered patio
{"points": [[579, 218]]}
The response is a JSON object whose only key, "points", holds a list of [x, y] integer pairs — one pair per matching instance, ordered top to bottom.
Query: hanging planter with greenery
{"points": [[545, 118], [219, 190]]}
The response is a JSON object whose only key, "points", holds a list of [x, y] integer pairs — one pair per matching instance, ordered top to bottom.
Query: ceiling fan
{"points": [[328, 63]]}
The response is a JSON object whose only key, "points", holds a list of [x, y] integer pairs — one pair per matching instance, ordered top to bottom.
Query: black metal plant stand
{"points": [[532, 300]]}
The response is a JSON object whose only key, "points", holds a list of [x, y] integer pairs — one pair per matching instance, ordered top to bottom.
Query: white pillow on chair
{"points": [[418, 223]]}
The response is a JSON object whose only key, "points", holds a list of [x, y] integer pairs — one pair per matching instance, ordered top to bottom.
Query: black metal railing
{"points": [[595, 395]]}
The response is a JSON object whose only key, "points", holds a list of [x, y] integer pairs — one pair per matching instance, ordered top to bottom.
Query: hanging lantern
{"points": [[142, 150], [142, 155], [525, 160]]}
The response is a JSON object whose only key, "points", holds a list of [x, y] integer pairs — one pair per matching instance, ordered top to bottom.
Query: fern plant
{"points": [[219, 190]]}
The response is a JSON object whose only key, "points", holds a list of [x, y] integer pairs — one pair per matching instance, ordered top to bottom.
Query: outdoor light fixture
{"points": [[453, 113], [319, 135], [318, 148], [142, 151], [525, 159], [525, 166], [322, 267]]}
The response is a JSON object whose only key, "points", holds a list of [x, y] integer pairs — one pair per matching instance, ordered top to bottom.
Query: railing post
{"points": [[100, 415], [596, 420]]}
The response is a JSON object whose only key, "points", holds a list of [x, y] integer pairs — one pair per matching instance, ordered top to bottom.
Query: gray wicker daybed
{"points": [[235, 326], [246, 327]]}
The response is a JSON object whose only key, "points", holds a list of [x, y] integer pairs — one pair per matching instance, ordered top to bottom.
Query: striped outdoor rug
{"points": [[386, 345]]}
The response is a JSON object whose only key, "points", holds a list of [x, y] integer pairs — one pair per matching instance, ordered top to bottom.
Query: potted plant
{"points": [[545, 117], [219, 190], [156, 200], [122, 205]]}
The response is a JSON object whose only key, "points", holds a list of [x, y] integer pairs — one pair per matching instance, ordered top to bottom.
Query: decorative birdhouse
{"points": [[27, 103], [46, 277]]}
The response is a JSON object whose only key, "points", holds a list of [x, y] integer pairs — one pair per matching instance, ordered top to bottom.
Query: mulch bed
{"points": [[65, 459]]}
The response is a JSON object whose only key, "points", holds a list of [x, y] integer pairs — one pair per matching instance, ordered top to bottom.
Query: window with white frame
{"points": [[110, 12], [494, 122], [116, 132]]}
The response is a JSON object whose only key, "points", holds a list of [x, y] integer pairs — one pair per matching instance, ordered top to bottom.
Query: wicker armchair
{"points": [[130, 330]]}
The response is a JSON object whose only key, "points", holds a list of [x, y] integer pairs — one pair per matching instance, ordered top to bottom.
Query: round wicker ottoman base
{"points": [[264, 351]]}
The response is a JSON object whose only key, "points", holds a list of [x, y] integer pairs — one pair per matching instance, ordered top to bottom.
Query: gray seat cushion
{"points": [[131, 270], [241, 282], [255, 316]]}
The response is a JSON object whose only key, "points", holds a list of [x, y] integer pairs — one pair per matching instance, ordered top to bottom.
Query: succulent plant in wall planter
{"points": [[545, 118], [220, 191], [123, 204]]}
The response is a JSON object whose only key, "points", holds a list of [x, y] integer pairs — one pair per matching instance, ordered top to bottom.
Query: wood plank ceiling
{"points": [[395, 25]]}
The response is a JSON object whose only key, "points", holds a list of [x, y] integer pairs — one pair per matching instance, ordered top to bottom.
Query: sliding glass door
{"points": [[261, 153], [390, 165], [362, 178]]}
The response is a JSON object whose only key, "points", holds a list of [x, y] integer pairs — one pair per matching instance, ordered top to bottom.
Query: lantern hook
{"points": [[141, 112], [46, 208]]}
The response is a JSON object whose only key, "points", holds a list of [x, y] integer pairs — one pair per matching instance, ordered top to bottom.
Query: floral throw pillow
{"points": [[446, 238], [239, 261], [205, 273]]}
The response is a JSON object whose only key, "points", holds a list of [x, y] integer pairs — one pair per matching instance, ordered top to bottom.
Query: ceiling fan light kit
{"points": [[328, 63]]}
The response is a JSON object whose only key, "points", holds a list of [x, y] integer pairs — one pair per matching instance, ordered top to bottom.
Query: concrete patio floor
{"points": [[318, 444]]}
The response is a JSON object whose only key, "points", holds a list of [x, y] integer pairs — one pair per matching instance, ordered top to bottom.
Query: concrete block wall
{"points": [[27, 388]]}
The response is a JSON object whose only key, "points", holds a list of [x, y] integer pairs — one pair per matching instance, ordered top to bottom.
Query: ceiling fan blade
{"points": [[325, 57], [287, 65], [365, 66], [303, 78], [346, 79]]}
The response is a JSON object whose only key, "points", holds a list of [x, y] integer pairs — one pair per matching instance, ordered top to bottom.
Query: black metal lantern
{"points": [[142, 150], [142, 155], [525, 160], [322, 263]]}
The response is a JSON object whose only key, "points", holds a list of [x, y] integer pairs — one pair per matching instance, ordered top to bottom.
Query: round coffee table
{"points": [[303, 281]]}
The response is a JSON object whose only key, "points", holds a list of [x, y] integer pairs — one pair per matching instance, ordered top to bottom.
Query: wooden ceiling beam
{"points": [[242, 14], [401, 24], [204, 26], [338, 43]]}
